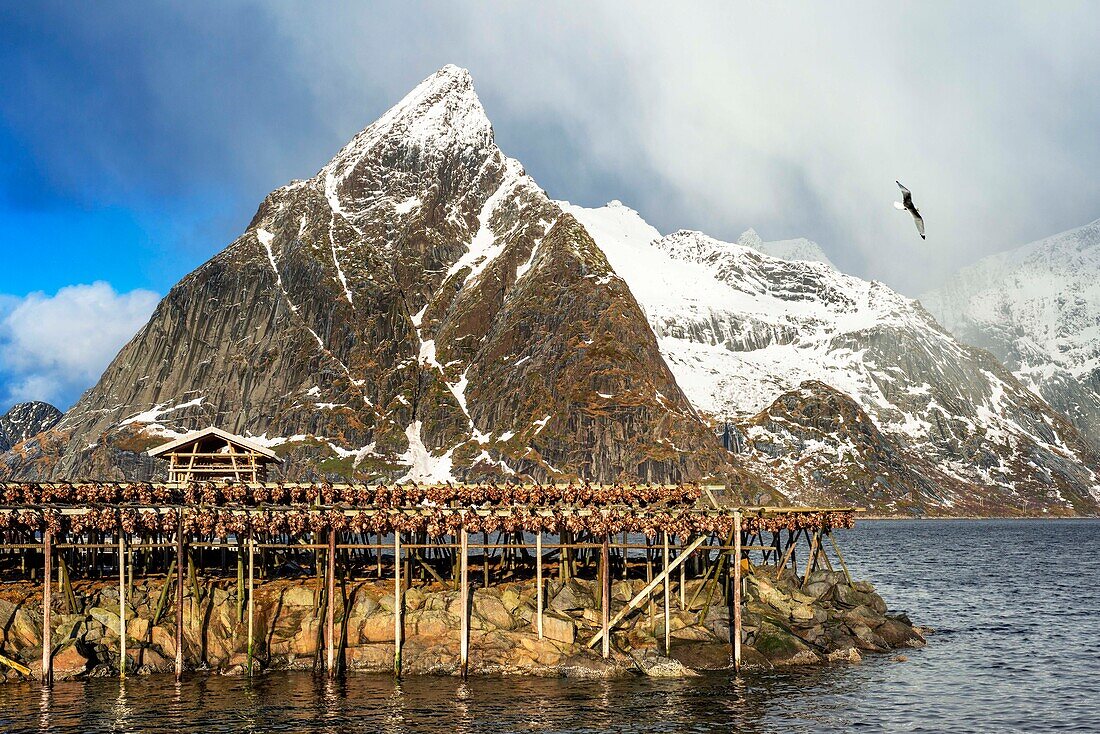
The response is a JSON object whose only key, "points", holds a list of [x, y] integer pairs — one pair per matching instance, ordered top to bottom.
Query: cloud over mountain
{"points": [[53, 347]]}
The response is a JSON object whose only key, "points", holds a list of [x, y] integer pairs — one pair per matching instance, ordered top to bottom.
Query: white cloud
{"points": [[791, 118], [52, 348]]}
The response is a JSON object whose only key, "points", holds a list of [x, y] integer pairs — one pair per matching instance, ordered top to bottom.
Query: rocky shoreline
{"points": [[785, 623]]}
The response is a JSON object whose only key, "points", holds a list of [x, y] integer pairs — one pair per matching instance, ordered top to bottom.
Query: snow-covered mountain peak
{"points": [[442, 113], [614, 220], [750, 238], [799, 248]]}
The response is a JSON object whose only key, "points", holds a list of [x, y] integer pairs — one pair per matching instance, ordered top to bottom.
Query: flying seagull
{"points": [[907, 204]]}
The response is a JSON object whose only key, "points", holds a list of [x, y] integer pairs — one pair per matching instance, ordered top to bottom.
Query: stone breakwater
{"points": [[784, 623]]}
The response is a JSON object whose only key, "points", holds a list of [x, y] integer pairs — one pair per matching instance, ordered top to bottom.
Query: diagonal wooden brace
{"points": [[641, 595]]}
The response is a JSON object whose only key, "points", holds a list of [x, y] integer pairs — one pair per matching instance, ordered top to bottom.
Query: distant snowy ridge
{"points": [[1037, 308], [740, 328], [25, 420]]}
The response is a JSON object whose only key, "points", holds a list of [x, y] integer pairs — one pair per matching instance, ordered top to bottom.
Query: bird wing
{"points": [[906, 195], [919, 221]]}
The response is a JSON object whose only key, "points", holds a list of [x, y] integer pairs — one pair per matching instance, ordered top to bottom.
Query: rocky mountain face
{"points": [[1037, 308], [418, 309], [794, 352], [25, 420]]}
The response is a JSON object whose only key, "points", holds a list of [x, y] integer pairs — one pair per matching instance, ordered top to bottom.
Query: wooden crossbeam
{"points": [[641, 595]]}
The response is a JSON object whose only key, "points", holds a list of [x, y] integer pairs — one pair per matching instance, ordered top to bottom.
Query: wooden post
{"points": [[787, 555], [840, 556], [485, 559], [810, 560], [538, 579], [683, 579], [240, 580], [251, 590], [737, 590], [605, 595], [179, 598], [464, 600], [47, 603], [397, 603], [121, 604], [330, 605], [668, 616]]}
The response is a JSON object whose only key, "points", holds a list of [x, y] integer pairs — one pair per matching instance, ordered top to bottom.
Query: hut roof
{"points": [[202, 433]]}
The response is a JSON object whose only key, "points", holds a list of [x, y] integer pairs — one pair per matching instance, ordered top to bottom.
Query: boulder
{"points": [[298, 596], [572, 597], [414, 599], [511, 599], [490, 611], [802, 613], [864, 614], [105, 617], [431, 624], [559, 627], [137, 628], [377, 628], [25, 629], [691, 632], [898, 634], [164, 638], [866, 639], [781, 648], [703, 655], [848, 655], [370, 657], [151, 661], [69, 662], [656, 666]]}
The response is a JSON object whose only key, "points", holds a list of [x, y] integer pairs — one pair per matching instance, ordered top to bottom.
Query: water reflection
{"points": [[45, 706], [121, 713]]}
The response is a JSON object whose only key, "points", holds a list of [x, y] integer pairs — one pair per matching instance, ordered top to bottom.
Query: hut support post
{"points": [[787, 555], [538, 580], [664, 584], [737, 590], [605, 595], [179, 599], [464, 600], [47, 603], [121, 604], [397, 604], [330, 606]]}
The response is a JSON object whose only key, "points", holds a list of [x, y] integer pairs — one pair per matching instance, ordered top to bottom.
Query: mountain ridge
{"points": [[421, 310], [740, 328]]}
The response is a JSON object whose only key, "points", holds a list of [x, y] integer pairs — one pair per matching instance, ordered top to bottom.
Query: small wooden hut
{"points": [[211, 454]]}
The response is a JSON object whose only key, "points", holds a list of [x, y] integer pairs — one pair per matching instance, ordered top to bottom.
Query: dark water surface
{"points": [[1016, 605]]}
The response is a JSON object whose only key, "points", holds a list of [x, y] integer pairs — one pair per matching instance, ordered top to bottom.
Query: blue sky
{"points": [[137, 141]]}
